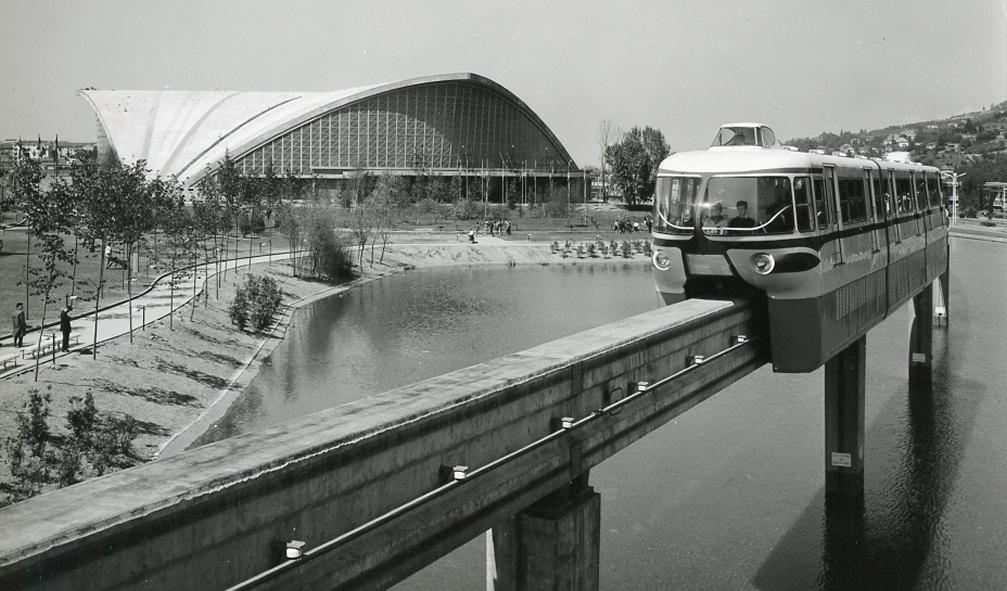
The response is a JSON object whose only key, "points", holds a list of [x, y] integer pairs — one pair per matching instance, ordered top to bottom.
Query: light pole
{"points": [[952, 178]]}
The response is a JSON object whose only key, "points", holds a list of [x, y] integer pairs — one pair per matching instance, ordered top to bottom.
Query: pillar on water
{"points": [[921, 338], [844, 422], [552, 545]]}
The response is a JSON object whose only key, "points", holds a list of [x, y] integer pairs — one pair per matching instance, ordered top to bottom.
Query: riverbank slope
{"points": [[176, 379]]}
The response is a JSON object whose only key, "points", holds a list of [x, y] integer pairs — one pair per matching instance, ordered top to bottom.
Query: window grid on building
{"points": [[445, 126]]}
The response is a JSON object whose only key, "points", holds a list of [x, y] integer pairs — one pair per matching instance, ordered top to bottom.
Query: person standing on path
{"points": [[64, 326], [20, 327]]}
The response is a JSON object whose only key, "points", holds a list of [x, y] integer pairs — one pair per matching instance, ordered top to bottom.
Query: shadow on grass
{"points": [[203, 336], [218, 358], [196, 375], [150, 394], [149, 428]]}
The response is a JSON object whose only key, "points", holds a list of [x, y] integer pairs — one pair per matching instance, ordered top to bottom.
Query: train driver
{"points": [[740, 138]]}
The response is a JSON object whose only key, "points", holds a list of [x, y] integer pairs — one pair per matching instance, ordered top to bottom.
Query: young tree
{"points": [[608, 133], [26, 177], [229, 184], [292, 190], [95, 192], [271, 197], [250, 203], [132, 211], [209, 215], [48, 216], [177, 225], [362, 225]]}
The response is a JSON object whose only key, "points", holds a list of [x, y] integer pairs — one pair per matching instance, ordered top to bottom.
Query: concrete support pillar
{"points": [[921, 338], [844, 422], [554, 545]]}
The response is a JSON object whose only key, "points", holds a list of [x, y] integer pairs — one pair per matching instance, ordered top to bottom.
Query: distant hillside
{"points": [[947, 143]]}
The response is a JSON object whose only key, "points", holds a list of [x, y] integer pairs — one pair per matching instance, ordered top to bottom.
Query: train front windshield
{"points": [[674, 197], [741, 206]]}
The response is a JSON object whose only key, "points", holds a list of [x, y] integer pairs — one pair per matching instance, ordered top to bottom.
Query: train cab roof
{"points": [[745, 134], [756, 150]]}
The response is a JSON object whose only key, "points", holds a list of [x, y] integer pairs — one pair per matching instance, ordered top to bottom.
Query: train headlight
{"points": [[661, 261], [763, 262]]}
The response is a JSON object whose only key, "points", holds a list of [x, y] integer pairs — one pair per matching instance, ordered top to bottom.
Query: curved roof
{"points": [[178, 133]]}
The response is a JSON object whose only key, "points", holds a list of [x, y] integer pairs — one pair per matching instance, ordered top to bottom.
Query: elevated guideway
{"points": [[379, 488], [362, 495]]}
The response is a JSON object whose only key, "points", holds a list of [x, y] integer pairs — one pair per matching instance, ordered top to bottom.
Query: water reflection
{"points": [[406, 328], [886, 540]]}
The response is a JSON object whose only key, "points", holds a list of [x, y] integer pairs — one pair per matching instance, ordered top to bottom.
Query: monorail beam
{"points": [[921, 337], [844, 422], [363, 484]]}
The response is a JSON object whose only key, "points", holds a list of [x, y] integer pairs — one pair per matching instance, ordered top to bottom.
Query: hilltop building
{"points": [[450, 125]]}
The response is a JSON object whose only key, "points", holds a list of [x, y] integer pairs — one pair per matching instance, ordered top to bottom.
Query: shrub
{"points": [[466, 209], [254, 224], [326, 250], [255, 303], [238, 311], [36, 460]]}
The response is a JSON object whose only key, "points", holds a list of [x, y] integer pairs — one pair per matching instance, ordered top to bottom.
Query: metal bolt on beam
{"points": [[563, 423], [455, 473]]}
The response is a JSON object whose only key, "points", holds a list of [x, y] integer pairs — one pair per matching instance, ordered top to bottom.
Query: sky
{"points": [[681, 66]]}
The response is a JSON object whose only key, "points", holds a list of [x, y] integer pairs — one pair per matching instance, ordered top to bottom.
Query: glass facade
{"points": [[439, 126]]}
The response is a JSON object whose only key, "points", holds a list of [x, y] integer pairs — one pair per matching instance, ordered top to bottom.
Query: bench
{"points": [[47, 346]]}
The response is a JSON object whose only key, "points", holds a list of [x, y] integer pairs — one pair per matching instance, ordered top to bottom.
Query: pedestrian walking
{"points": [[20, 326], [64, 327]]}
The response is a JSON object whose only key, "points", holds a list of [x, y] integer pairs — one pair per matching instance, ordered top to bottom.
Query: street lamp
{"points": [[952, 178]]}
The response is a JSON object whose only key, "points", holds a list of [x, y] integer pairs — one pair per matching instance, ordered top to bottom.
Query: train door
{"points": [[922, 203], [872, 213], [836, 227], [894, 228]]}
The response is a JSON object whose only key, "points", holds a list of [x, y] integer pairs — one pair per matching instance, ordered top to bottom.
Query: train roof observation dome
{"points": [[745, 134]]}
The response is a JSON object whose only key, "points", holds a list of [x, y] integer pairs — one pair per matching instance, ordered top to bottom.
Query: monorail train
{"points": [[835, 243]]}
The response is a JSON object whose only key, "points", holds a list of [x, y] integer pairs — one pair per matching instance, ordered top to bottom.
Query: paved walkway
{"points": [[152, 305]]}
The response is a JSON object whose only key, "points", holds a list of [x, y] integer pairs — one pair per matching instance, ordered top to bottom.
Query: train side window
{"points": [[936, 190], [921, 192], [904, 195], [852, 201], [880, 203], [805, 209], [821, 211]]}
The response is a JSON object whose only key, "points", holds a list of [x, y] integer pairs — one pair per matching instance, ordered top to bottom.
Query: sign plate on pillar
{"points": [[919, 357], [841, 460]]}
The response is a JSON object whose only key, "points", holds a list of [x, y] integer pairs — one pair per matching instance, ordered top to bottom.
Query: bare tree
{"points": [[608, 134]]}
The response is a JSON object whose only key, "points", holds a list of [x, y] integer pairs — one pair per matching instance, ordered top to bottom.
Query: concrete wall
{"points": [[213, 516]]}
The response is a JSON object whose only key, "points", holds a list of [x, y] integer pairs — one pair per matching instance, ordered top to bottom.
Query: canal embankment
{"points": [[176, 378]]}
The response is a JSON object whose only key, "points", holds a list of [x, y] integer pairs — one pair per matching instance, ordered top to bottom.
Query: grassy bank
{"points": [[178, 381]]}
